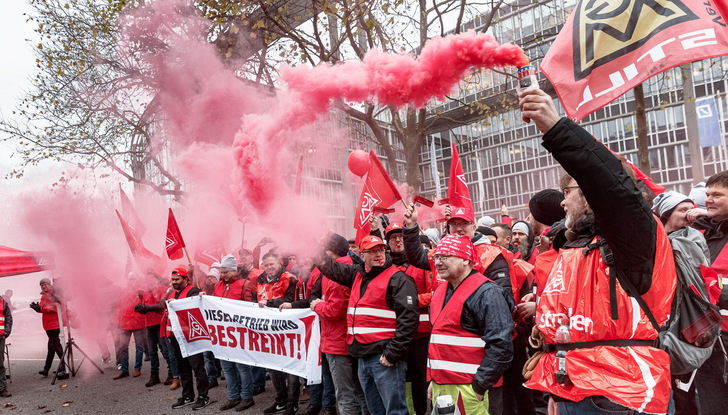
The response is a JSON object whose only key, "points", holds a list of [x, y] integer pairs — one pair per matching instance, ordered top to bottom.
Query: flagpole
{"points": [[242, 243], [197, 280]]}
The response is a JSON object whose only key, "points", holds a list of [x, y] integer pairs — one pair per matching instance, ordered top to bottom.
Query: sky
{"points": [[18, 64]]}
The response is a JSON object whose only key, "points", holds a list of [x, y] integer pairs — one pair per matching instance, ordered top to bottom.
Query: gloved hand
{"points": [[35, 306], [140, 308]]}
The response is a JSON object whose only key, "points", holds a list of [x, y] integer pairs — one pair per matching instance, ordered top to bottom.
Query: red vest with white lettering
{"points": [[720, 265], [274, 290], [577, 290], [423, 292], [2, 316], [368, 317], [167, 330], [454, 354]]}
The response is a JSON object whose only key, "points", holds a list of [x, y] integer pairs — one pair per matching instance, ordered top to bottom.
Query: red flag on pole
{"points": [[605, 50], [299, 174], [378, 191], [458, 194], [127, 209], [130, 234], [174, 243], [210, 255], [144, 257]]}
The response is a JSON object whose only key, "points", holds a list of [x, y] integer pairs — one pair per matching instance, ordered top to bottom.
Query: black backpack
{"points": [[692, 330]]}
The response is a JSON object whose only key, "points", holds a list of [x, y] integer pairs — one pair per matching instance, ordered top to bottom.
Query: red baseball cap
{"points": [[462, 213], [394, 227], [369, 242], [180, 270]]}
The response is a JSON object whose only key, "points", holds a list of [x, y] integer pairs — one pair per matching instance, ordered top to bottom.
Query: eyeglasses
{"points": [[567, 189], [459, 224], [373, 251], [441, 258]]}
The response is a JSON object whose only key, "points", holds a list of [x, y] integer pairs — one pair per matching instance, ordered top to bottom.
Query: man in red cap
{"points": [[467, 313], [382, 319], [191, 364]]}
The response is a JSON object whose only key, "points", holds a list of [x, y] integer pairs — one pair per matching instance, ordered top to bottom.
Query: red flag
{"points": [[601, 54], [299, 174], [378, 191], [458, 194], [129, 212], [130, 234], [174, 243], [210, 255], [143, 257], [14, 262], [460, 405]]}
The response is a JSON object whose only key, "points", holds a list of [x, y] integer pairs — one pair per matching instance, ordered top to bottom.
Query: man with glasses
{"points": [[616, 254], [467, 313], [382, 319]]}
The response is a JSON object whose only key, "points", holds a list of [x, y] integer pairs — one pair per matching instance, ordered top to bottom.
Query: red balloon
{"points": [[358, 162]]}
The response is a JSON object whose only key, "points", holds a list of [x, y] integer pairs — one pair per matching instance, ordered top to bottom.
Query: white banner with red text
{"points": [[243, 332]]}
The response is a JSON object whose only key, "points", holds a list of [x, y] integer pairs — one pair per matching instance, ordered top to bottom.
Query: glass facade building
{"points": [[503, 160]]}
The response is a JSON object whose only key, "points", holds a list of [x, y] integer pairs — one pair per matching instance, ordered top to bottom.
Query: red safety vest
{"points": [[544, 263], [720, 265], [420, 277], [274, 290], [577, 291], [2, 316], [368, 317], [167, 330], [455, 354]]}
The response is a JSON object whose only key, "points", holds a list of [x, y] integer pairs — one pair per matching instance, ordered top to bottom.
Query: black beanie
{"points": [[545, 206], [487, 231], [425, 240], [337, 244]]}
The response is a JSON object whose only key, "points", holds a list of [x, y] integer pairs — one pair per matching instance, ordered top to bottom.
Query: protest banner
{"points": [[243, 332]]}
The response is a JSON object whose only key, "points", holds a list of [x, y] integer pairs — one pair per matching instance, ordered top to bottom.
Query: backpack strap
{"points": [[627, 285]]}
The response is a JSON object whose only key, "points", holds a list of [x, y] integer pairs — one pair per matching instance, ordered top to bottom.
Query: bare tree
{"points": [[89, 105]]}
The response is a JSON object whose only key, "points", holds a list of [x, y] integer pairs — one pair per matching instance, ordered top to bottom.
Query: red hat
{"points": [[462, 213], [394, 227], [369, 242], [459, 246], [180, 270]]}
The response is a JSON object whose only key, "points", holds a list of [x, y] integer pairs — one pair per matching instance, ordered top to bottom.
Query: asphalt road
{"points": [[91, 392]]}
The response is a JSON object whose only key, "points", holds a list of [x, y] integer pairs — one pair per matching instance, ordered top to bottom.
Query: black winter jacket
{"points": [[621, 214], [401, 297]]}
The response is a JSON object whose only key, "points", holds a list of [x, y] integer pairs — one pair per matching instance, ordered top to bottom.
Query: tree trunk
{"points": [[643, 151]]}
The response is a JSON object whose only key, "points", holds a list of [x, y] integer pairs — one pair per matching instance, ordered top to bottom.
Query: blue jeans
{"points": [[139, 340], [168, 354], [210, 367], [258, 376], [239, 380], [384, 387], [323, 394], [594, 405]]}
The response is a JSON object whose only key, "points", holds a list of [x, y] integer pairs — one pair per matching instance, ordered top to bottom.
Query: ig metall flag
{"points": [[708, 124]]}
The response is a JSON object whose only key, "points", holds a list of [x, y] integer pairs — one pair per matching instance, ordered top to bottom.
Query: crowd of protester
{"points": [[409, 316]]}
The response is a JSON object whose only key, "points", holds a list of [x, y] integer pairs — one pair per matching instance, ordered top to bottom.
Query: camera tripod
{"points": [[67, 355]]}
